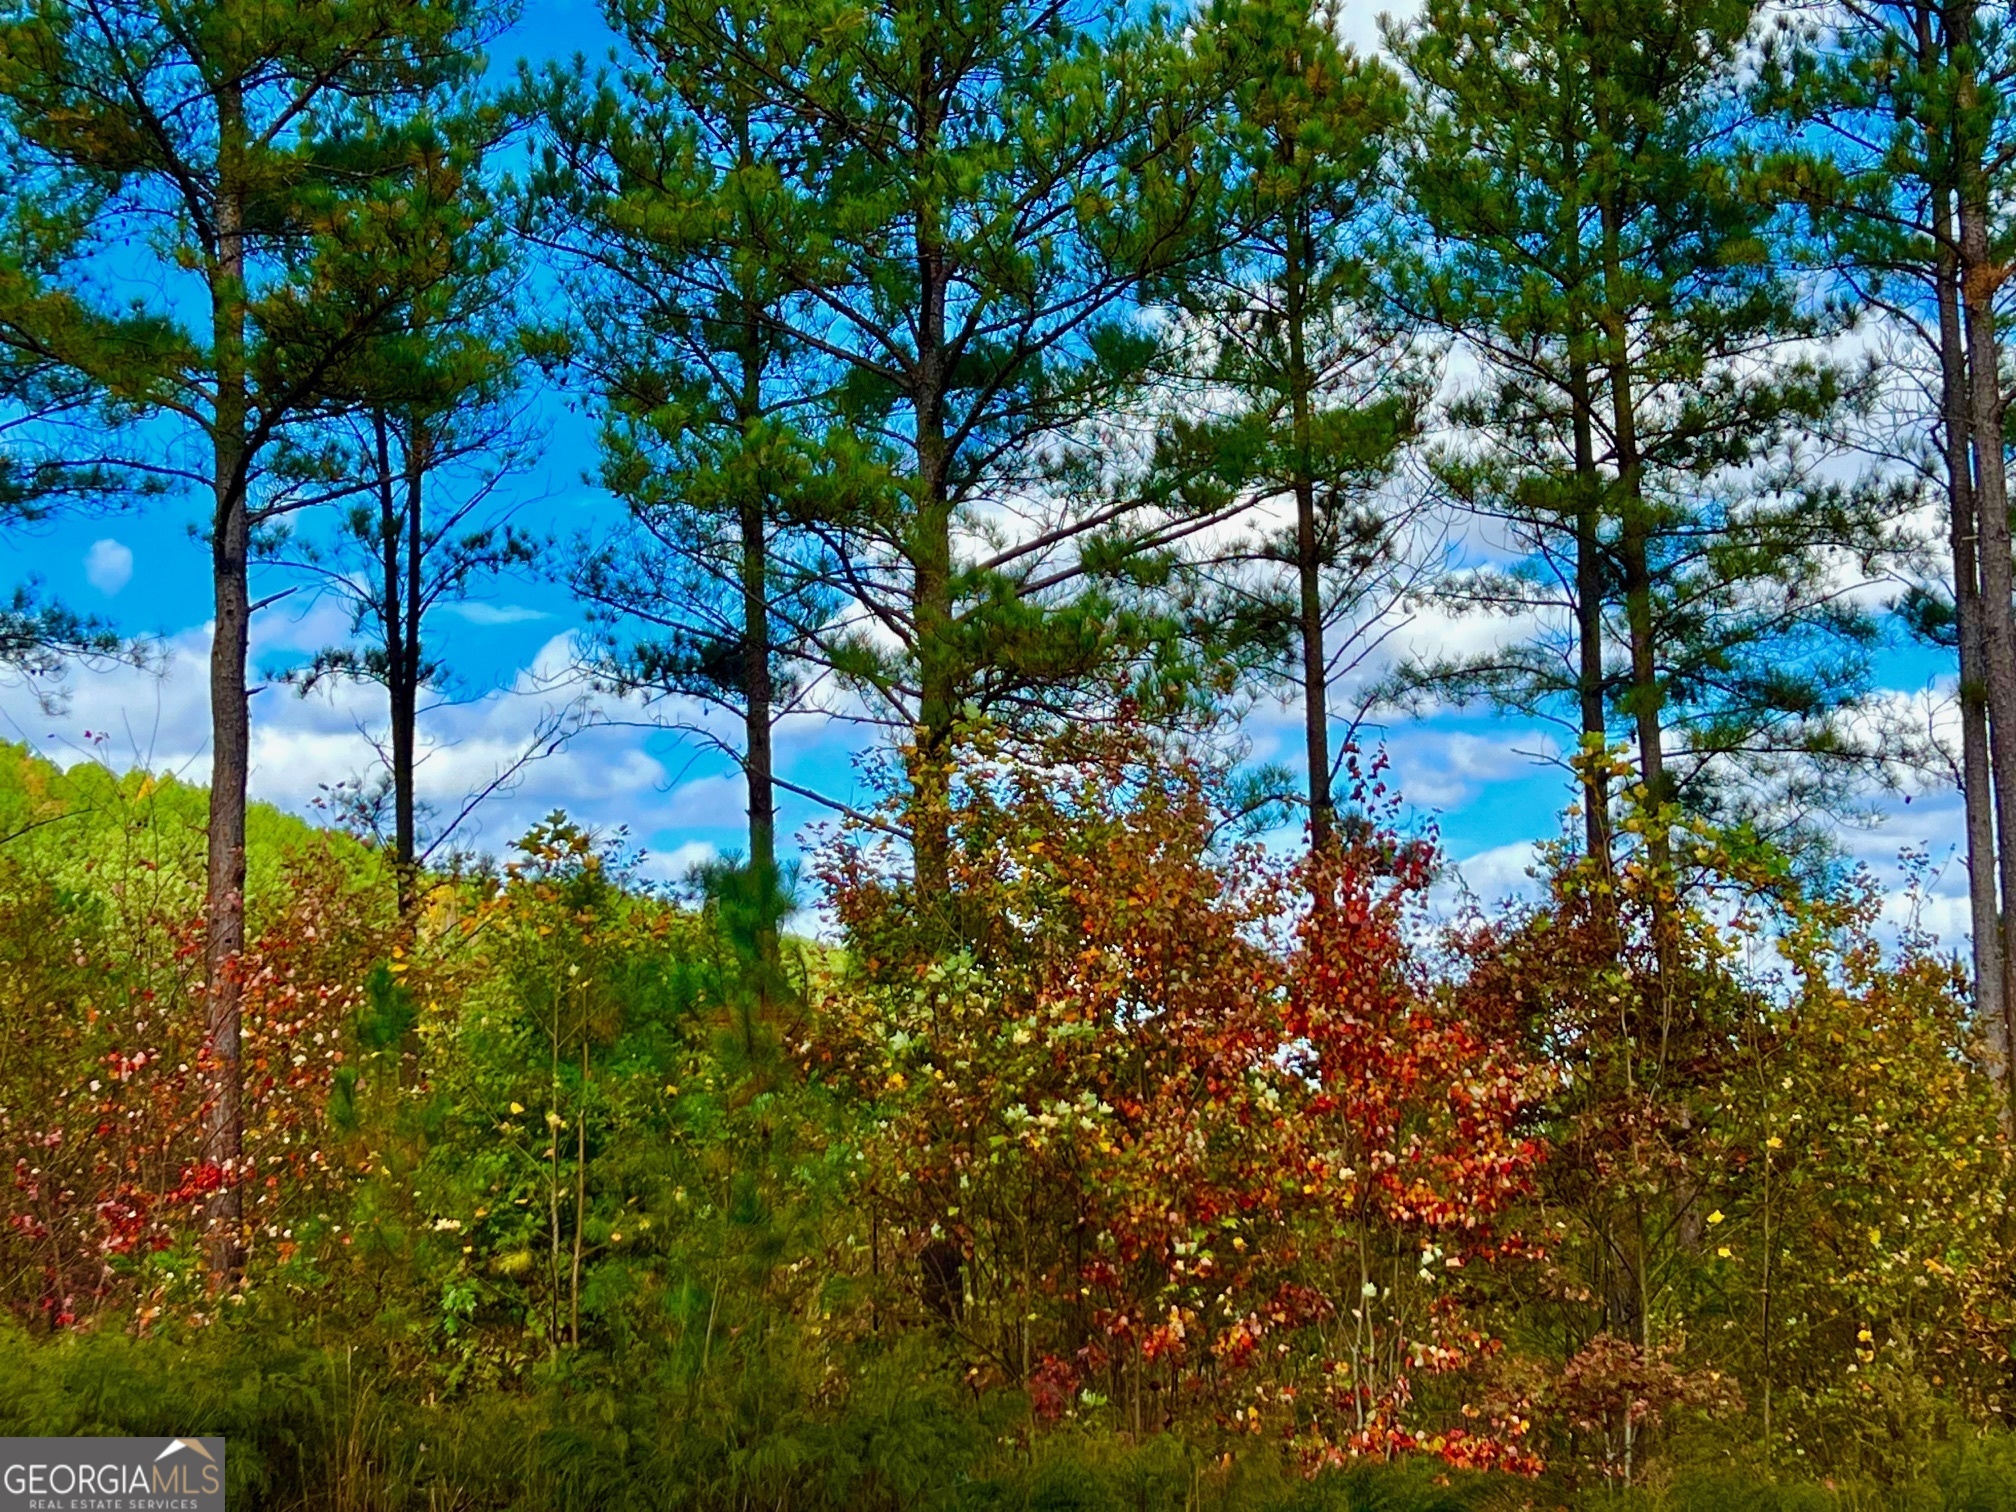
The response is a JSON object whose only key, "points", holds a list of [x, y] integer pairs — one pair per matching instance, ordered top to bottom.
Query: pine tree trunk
{"points": [[1980, 275], [392, 529], [1634, 548], [931, 552], [1308, 556], [1634, 556], [1997, 634], [406, 673], [1589, 682], [758, 689], [937, 709], [230, 718], [756, 723], [1991, 1000]]}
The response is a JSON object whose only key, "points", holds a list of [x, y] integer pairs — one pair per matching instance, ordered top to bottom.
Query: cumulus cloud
{"points": [[108, 565], [159, 718], [1436, 764], [1445, 769], [1498, 782], [670, 788], [1914, 849], [673, 865], [1494, 876]]}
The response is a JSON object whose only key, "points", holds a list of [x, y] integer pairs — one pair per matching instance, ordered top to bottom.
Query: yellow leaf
{"points": [[517, 1107]]}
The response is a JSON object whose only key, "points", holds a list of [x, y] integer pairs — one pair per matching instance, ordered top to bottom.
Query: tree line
{"points": [[1032, 365]]}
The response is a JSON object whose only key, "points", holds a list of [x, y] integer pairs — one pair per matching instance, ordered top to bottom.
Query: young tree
{"points": [[1898, 125], [208, 161], [974, 196], [1307, 387], [432, 528], [1173, 1151]]}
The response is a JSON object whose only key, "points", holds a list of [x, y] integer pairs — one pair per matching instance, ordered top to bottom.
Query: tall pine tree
{"points": [[1898, 136], [208, 159], [655, 192], [974, 195], [1306, 386], [1649, 400], [430, 421]]}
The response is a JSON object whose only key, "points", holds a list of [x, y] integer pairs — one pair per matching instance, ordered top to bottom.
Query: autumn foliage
{"points": [[102, 1109], [1168, 1139], [1143, 1151]]}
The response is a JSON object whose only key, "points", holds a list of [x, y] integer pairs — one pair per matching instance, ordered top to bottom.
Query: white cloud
{"points": [[109, 565], [477, 612], [323, 620], [159, 718], [1433, 765], [1443, 769], [616, 773], [1503, 778], [1915, 851], [673, 865], [1500, 873]]}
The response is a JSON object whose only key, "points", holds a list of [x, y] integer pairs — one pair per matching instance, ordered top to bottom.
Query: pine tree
{"points": [[1897, 126], [207, 160], [654, 193], [972, 197], [1307, 385], [1651, 420], [431, 422], [1642, 424]]}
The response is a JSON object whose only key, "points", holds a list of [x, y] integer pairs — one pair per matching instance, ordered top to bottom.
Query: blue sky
{"points": [[1484, 781]]}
